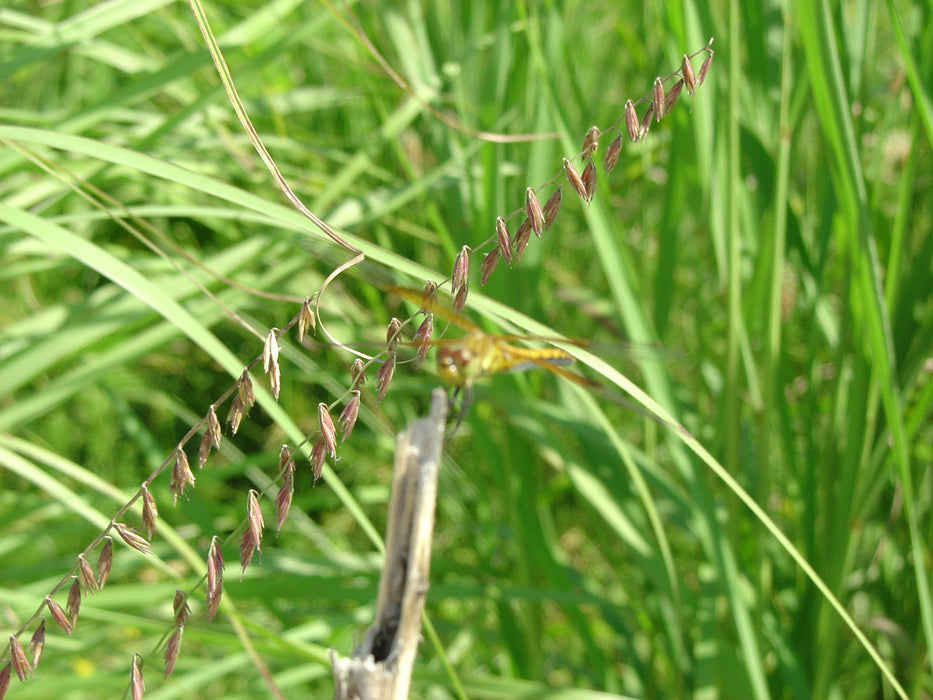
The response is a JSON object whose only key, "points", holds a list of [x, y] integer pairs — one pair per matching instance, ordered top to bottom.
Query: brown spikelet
{"points": [[704, 68], [686, 70], [674, 94], [657, 95], [631, 121], [645, 123], [590, 142], [611, 157], [573, 177], [588, 178], [551, 207], [535, 214], [522, 236], [503, 241], [488, 266], [461, 269], [459, 279], [429, 292], [460, 297], [305, 319], [392, 333], [422, 337], [270, 350], [270, 362], [357, 374], [384, 376], [245, 390], [350, 412], [236, 414], [327, 429], [212, 433], [317, 459], [181, 475], [283, 499], [150, 513], [254, 518], [132, 538], [247, 548], [104, 562], [86, 572], [215, 577], [73, 603], [181, 607], [58, 615], [37, 643], [172, 649], [18, 658], [6, 674], [137, 686]]}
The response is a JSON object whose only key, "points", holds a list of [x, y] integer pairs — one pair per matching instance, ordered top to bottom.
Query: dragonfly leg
{"points": [[465, 394]]}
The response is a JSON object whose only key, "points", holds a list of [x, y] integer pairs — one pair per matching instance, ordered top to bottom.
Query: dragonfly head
{"points": [[453, 363]]}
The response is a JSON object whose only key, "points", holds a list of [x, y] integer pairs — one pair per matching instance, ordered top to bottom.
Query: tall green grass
{"points": [[755, 528]]}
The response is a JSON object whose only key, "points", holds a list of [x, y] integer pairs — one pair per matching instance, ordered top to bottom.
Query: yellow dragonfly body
{"points": [[462, 361]]}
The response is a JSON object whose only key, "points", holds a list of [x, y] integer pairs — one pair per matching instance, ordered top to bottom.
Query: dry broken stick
{"points": [[381, 667]]}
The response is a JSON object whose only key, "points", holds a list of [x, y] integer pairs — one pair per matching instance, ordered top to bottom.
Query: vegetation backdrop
{"points": [[751, 520]]}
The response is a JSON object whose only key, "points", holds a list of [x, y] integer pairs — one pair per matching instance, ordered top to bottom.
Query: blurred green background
{"points": [[766, 249]]}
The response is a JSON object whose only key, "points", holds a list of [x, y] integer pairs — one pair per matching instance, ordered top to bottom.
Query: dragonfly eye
{"points": [[451, 362]]}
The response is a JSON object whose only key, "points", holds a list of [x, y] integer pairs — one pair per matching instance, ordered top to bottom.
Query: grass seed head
{"points": [[704, 68], [690, 81], [673, 94], [657, 96], [631, 121], [645, 123], [590, 142], [611, 156], [574, 178], [588, 178], [551, 207], [535, 214], [522, 236], [503, 241], [488, 266], [306, 319], [392, 333], [422, 337], [357, 374], [384, 376], [351, 411], [328, 434], [317, 459], [182, 475], [283, 499], [150, 513], [254, 517], [132, 538], [247, 548], [104, 562], [87, 575], [215, 576], [73, 603], [180, 607], [58, 615], [37, 643], [172, 649], [21, 665], [6, 673], [137, 686]]}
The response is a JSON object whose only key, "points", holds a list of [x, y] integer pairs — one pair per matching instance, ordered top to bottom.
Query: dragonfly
{"points": [[461, 362]]}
